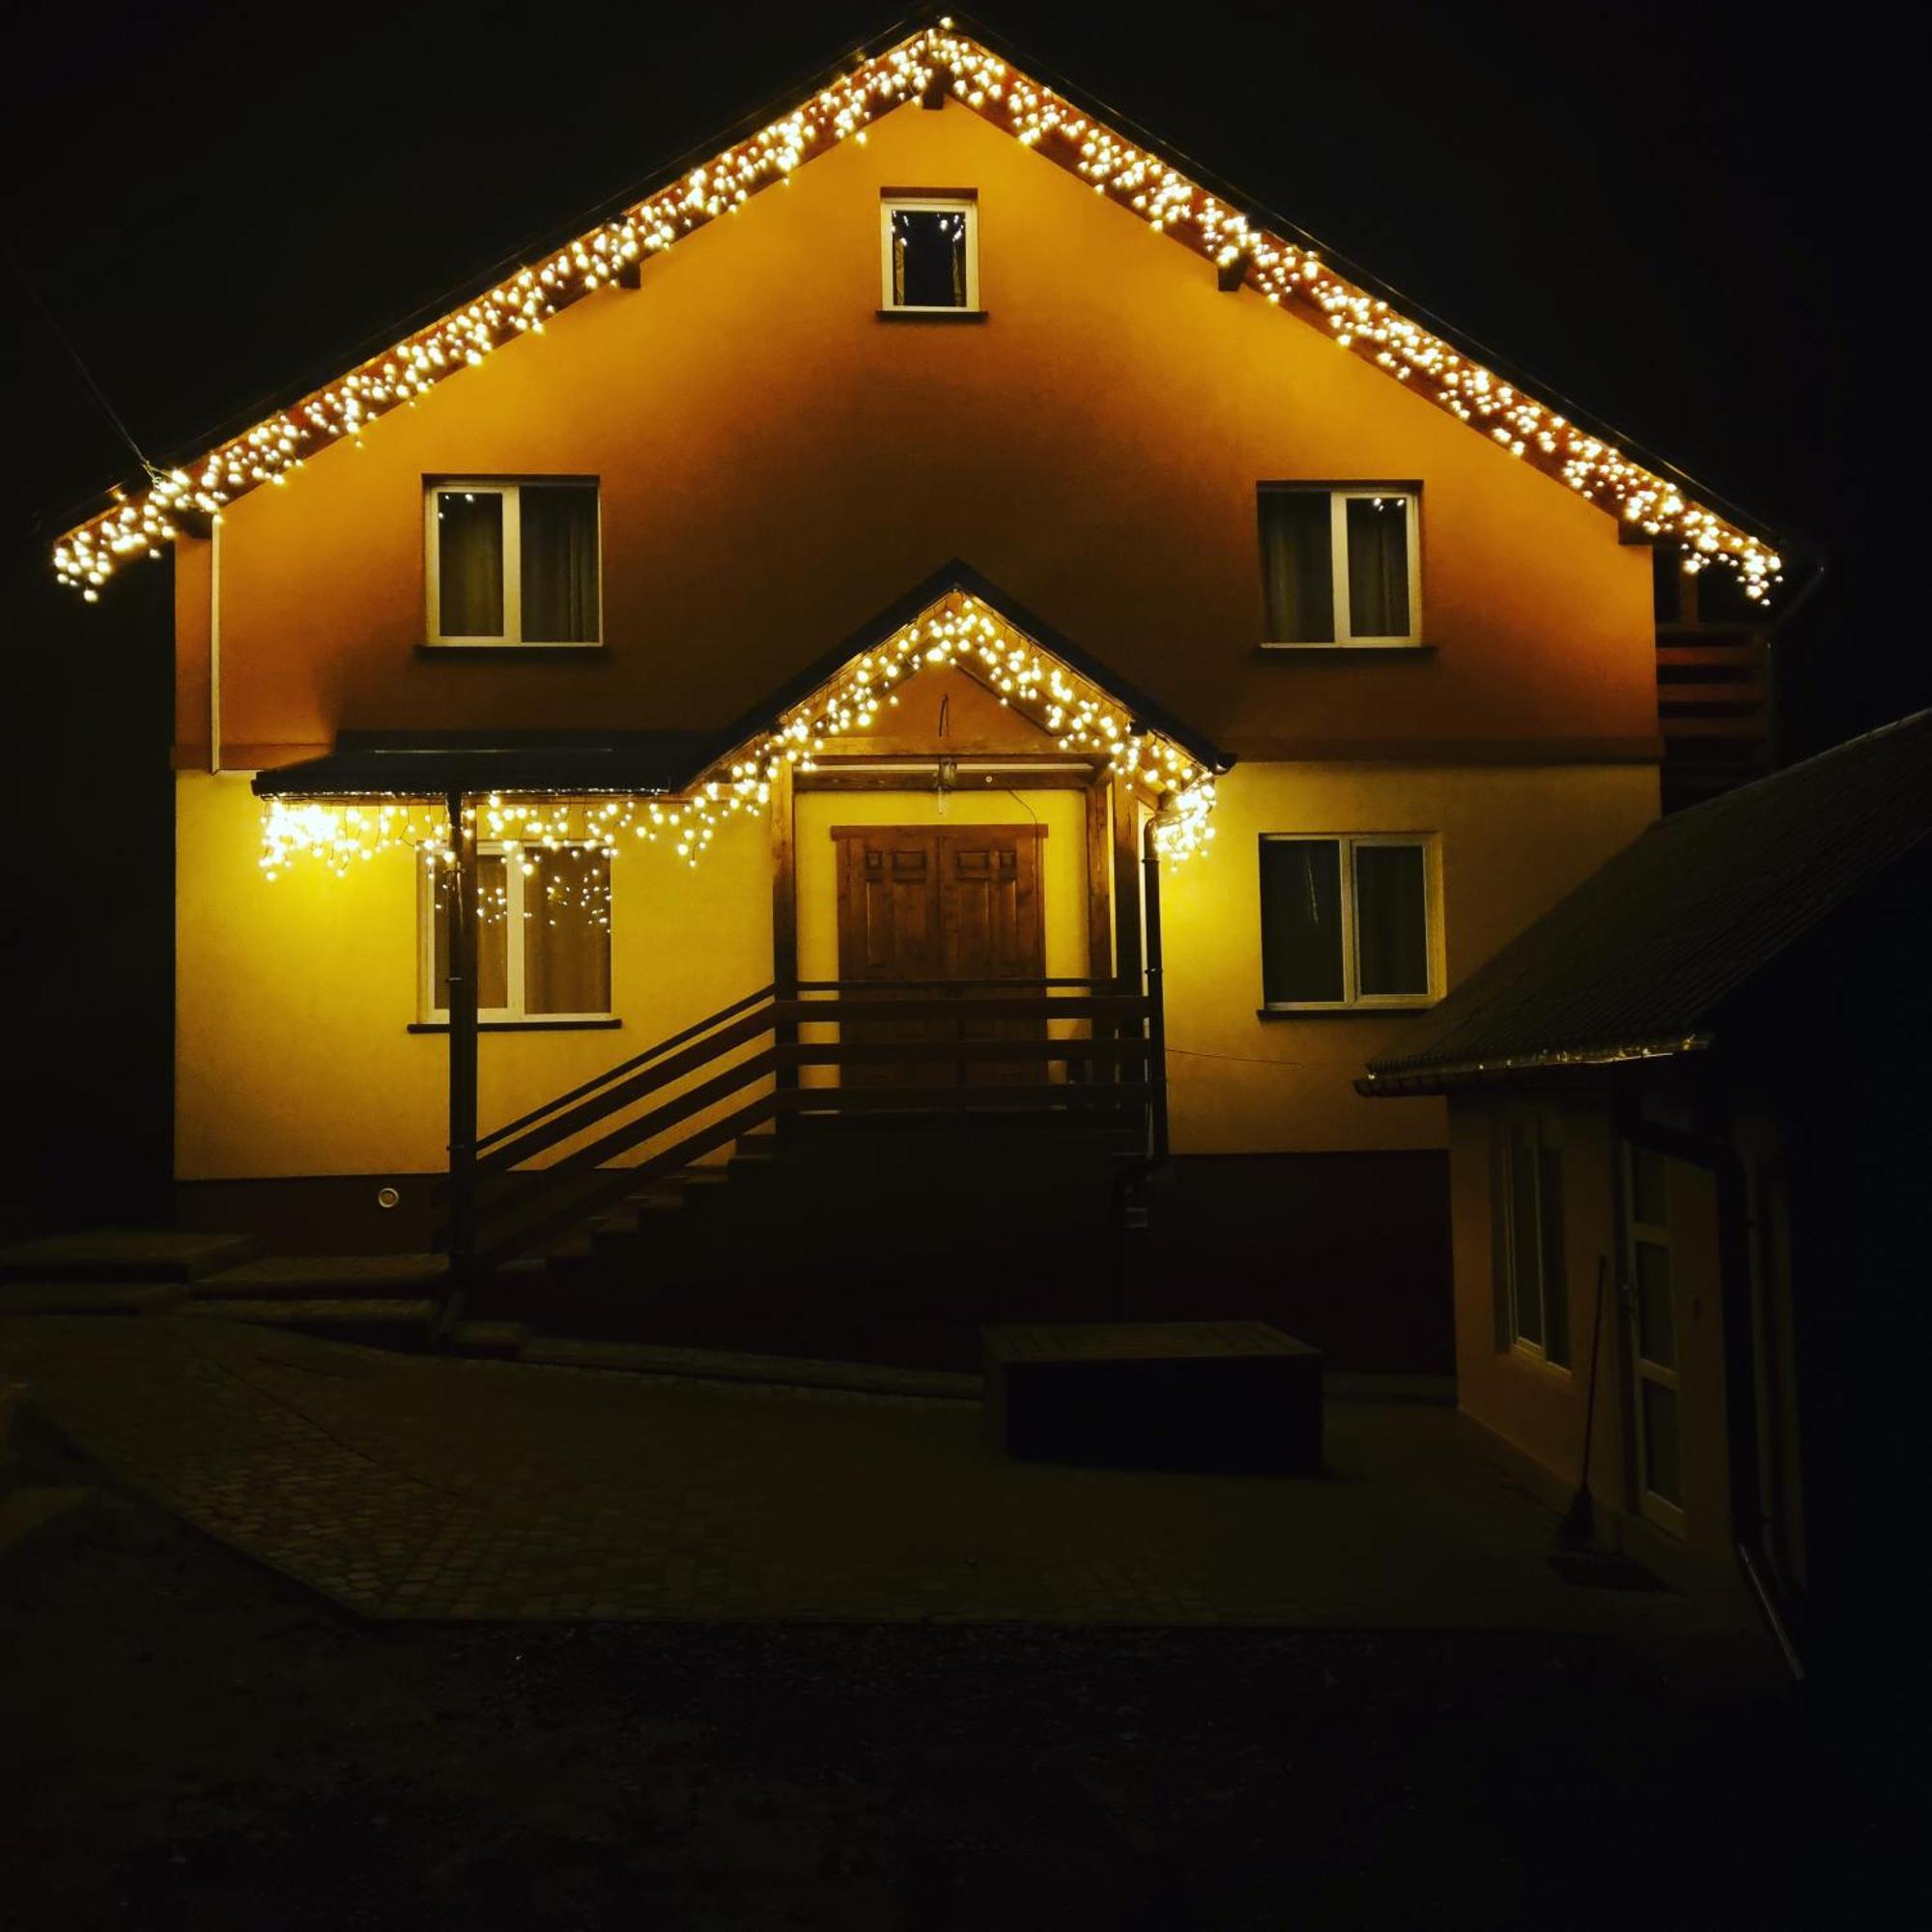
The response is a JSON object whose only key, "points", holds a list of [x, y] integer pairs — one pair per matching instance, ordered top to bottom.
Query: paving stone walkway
{"points": [[420, 1487]]}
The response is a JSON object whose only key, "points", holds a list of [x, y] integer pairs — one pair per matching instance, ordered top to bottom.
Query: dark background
{"points": [[1701, 223]]}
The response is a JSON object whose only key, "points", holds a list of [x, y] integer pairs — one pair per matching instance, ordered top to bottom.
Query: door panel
{"points": [[940, 903], [992, 929]]}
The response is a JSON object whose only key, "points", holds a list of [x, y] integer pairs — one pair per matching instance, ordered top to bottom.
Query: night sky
{"points": [[1681, 217]]}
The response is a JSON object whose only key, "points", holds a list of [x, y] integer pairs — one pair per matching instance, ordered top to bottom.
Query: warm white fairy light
{"points": [[1281, 271], [956, 631]]}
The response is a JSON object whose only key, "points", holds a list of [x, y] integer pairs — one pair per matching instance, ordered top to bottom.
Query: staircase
{"points": [[1713, 696], [975, 1156], [970, 1159], [847, 1240]]}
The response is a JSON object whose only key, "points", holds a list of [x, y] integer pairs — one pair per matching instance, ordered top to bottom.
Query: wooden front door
{"points": [[949, 903]]}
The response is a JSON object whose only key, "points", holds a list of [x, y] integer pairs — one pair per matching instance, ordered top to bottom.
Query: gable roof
{"points": [[964, 64], [1637, 962]]}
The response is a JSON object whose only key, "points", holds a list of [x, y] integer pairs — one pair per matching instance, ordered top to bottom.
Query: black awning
{"points": [[431, 765]]}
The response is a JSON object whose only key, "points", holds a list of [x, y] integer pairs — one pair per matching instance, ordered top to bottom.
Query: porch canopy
{"points": [[444, 793]]}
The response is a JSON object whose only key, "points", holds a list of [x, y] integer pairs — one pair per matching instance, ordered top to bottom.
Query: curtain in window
{"points": [[558, 530], [1297, 561], [469, 563], [1378, 566], [1301, 920], [1391, 920], [567, 932], [493, 950]]}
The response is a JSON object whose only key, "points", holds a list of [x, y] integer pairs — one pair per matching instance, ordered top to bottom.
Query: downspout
{"points": [[215, 648], [1156, 997], [1734, 1275]]}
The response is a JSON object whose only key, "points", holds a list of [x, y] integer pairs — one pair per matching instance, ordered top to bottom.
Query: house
{"points": [[937, 544], [1687, 1165]]}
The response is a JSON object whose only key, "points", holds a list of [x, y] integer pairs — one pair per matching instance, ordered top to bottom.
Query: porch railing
{"points": [[1079, 1051]]}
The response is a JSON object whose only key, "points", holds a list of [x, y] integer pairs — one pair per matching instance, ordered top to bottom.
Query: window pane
{"points": [[928, 258], [1299, 562], [469, 563], [559, 563], [1378, 566], [1301, 920], [1391, 920], [567, 931], [492, 953], [1650, 1189], [1525, 1250], [1555, 1276], [1656, 1318], [1659, 1442]]}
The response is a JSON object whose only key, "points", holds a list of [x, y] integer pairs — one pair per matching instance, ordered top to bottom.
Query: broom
{"points": [[1579, 1523]]}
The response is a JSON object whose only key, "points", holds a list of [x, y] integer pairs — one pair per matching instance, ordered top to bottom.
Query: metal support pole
{"points": [[463, 921], [1156, 998]]}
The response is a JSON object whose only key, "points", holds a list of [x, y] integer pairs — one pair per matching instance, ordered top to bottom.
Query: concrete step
{"points": [[125, 1255], [300, 1276], [91, 1297], [320, 1312], [484, 1337]]}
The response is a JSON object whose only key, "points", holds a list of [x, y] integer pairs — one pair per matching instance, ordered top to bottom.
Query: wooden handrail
{"points": [[896, 985], [1116, 1007], [922, 1052], [611, 1073], [575, 1120]]}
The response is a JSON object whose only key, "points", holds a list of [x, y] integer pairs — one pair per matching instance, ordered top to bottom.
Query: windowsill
{"points": [[932, 315], [1353, 648], [483, 649], [1360, 1011], [523, 1026], [1536, 1361]]}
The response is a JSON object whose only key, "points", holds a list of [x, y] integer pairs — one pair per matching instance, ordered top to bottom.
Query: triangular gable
{"points": [[1263, 255], [586, 788]]}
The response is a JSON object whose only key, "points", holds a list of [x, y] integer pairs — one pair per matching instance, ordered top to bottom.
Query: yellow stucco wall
{"points": [[777, 466], [1510, 842], [292, 999], [1539, 1407]]}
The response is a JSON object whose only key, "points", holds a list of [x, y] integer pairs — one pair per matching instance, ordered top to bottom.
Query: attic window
{"points": [[929, 254], [512, 563]]}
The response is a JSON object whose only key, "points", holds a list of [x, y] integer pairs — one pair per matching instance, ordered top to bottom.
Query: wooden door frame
{"points": [[1112, 856]]}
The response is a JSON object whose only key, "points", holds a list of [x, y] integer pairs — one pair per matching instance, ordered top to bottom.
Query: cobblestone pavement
{"points": [[416, 1487]]}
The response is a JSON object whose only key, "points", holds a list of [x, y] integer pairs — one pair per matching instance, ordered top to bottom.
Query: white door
{"points": [[1650, 1304]]}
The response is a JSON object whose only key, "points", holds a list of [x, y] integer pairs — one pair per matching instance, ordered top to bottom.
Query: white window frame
{"points": [[928, 204], [511, 490], [1340, 497], [1353, 999], [512, 1014], [1547, 1135], [1658, 1508]]}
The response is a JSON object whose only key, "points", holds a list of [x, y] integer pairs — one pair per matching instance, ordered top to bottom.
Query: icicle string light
{"points": [[1281, 271], [956, 631]]}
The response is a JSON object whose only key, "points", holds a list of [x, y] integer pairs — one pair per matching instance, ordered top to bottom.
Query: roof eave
{"points": [[1455, 1076]]}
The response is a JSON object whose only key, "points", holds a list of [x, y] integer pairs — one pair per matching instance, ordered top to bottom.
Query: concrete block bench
{"points": [[1231, 1397]]}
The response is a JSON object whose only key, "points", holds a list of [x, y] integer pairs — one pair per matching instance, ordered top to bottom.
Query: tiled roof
{"points": [[1640, 957]]}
